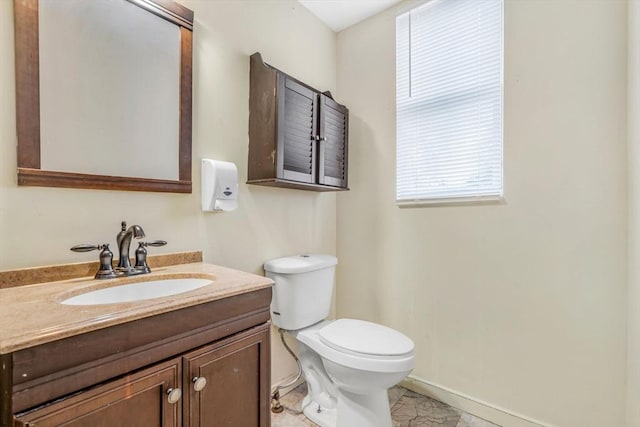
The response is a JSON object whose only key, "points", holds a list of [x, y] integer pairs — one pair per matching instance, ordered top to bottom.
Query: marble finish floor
{"points": [[408, 409]]}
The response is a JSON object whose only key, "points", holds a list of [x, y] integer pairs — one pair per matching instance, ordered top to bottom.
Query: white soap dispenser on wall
{"points": [[219, 186]]}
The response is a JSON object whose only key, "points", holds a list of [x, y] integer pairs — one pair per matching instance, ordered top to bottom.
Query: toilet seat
{"points": [[365, 338], [329, 346]]}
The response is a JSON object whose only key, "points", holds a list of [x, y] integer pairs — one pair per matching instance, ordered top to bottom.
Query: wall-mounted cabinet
{"points": [[298, 136]]}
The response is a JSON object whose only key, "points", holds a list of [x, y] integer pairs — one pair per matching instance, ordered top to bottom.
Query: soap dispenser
{"points": [[219, 186]]}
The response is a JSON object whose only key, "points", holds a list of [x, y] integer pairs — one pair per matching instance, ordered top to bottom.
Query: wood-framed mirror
{"points": [[104, 94]]}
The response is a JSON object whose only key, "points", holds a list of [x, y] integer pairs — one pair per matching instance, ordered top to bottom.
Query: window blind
{"points": [[449, 101]]}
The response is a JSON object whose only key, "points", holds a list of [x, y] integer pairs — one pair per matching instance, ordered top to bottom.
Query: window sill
{"points": [[453, 201]]}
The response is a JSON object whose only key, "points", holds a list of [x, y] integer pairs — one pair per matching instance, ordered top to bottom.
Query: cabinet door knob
{"points": [[199, 383], [174, 395]]}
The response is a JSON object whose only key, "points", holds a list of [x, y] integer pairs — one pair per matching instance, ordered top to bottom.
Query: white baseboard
{"points": [[484, 410]]}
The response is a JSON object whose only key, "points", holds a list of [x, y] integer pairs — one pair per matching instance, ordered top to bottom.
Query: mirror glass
{"points": [[109, 89]]}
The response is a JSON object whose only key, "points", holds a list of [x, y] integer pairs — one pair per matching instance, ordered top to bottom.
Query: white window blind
{"points": [[449, 101]]}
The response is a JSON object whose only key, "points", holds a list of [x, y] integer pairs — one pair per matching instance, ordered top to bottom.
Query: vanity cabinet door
{"points": [[236, 372], [139, 399]]}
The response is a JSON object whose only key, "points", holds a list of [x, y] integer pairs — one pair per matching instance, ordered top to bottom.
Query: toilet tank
{"points": [[302, 291]]}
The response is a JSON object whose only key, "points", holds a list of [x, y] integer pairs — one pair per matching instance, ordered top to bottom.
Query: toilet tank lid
{"points": [[300, 263]]}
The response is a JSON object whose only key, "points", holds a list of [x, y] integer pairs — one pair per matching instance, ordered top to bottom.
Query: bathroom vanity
{"points": [[196, 358]]}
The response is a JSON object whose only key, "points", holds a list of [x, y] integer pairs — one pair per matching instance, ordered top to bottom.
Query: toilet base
{"points": [[362, 410], [371, 410], [324, 418]]}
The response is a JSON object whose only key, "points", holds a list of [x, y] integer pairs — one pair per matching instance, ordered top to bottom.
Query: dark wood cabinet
{"points": [[298, 137], [217, 354], [235, 392], [140, 400]]}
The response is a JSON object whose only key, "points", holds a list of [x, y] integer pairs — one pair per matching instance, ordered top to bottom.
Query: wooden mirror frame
{"points": [[28, 106]]}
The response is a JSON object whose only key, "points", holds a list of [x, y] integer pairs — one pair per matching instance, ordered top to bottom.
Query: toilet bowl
{"points": [[362, 360], [348, 364]]}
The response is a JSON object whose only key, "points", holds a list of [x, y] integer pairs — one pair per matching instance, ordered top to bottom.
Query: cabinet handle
{"points": [[199, 383], [173, 395]]}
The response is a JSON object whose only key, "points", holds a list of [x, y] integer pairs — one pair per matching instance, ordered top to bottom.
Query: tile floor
{"points": [[408, 409]]}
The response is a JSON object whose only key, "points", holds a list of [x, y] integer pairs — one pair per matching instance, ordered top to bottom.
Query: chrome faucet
{"points": [[124, 244]]}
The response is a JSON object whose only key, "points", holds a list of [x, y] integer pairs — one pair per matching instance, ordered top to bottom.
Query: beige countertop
{"points": [[32, 315]]}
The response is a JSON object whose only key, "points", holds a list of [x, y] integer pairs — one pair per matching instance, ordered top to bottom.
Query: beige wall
{"points": [[633, 144], [38, 225], [519, 305]]}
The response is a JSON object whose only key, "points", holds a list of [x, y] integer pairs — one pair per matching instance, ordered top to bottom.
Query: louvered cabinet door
{"points": [[297, 115], [334, 128]]}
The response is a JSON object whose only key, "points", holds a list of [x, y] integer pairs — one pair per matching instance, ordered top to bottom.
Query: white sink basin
{"points": [[137, 291]]}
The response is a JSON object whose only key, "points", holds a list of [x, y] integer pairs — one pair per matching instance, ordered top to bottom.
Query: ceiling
{"points": [[340, 14]]}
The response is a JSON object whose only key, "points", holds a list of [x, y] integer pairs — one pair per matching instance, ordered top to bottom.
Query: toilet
{"points": [[348, 364]]}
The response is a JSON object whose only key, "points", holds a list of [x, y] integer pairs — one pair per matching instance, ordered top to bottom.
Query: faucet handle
{"points": [[86, 248], [141, 255], [106, 258]]}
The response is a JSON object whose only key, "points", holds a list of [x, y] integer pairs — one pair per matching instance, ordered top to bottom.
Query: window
{"points": [[449, 102]]}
